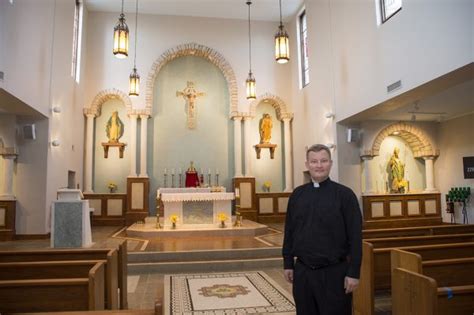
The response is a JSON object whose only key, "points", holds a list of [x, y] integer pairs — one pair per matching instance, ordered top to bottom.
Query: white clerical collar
{"points": [[315, 184]]}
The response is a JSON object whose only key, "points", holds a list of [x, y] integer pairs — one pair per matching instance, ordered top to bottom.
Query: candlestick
{"points": [[165, 179], [172, 179], [209, 179], [217, 179], [180, 180]]}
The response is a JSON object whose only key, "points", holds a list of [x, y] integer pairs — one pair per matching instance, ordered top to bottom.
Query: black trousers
{"points": [[321, 291]]}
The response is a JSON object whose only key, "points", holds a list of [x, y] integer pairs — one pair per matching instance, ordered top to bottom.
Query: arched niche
{"points": [[193, 49], [105, 95]]}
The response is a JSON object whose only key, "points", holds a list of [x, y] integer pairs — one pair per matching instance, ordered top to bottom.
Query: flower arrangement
{"points": [[267, 185], [112, 187], [221, 216], [174, 218]]}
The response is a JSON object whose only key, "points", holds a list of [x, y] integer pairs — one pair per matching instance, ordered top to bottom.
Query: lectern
{"points": [[70, 220]]}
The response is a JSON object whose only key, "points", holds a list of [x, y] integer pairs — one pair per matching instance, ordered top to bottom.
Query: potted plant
{"points": [[112, 187]]}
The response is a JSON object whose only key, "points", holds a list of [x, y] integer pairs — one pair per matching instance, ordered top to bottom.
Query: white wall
{"points": [[157, 34], [28, 40], [425, 40], [38, 56], [456, 142]]}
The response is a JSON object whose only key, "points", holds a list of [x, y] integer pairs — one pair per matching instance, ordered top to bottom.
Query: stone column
{"points": [[133, 145], [143, 146], [237, 146], [248, 149], [89, 153], [8, 159], [288, 165], [429, 171], [369, 185]]}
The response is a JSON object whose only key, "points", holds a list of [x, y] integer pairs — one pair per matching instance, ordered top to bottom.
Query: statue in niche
{"points": [[190, 94], [265, 126], [114, 128], [396, 175]]}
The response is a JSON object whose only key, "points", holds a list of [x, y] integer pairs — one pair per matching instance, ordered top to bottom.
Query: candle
{"points": [[166, 171], [172, 171], [180, 171], [201, 171], [209, 171], [217, 171], [237, 192]]}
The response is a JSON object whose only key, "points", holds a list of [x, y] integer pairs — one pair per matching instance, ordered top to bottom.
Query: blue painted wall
{"points": [[171, 144]]}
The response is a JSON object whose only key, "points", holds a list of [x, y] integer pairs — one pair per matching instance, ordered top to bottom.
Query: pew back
{"points": [[419, 231], [39, 295]]}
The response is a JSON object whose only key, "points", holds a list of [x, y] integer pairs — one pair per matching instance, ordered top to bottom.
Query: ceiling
{"points": [[261, 10], [444, 98]]}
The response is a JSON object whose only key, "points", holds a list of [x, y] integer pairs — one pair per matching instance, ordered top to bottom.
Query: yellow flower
{"points": [[267, 184], [112, 185], [221, 216], [174, 218]]}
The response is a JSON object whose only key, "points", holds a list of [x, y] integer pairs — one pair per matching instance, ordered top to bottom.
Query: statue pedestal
{"points": [[107, 145], [260, 146]]}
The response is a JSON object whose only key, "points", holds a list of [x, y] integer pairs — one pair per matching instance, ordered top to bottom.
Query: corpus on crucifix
{"points": [[190, 95]]}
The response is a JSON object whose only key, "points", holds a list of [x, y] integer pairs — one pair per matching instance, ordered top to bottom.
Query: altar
{"points": [[195, 207]]}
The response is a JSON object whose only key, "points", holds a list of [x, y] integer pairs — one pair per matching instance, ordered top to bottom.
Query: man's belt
{"points": [[321, 265]]}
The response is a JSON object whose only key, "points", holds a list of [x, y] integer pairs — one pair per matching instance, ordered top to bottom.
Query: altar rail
{"points": [[271, 207], [109, 209], [398, 210]]}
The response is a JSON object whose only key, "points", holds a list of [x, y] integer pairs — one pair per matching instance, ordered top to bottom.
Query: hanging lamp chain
{"points": [[121, 13], [281, 20], [136, 26], [250, 39]]}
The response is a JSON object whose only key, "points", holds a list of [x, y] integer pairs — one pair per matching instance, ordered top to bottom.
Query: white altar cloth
{"points": [[177, 200]]}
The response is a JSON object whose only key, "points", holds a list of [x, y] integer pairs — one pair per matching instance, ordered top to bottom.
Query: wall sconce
{"points": [[56, 109], [329, 115], [55, 143], [330, 145]]}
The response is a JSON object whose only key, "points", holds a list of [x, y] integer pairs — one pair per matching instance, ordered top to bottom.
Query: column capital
{"points": [[90, 111], [133, 116], [144, 116], [247, 117], [287, 117], [237, 118], [9, 153], [366, 157], [428, 157]]}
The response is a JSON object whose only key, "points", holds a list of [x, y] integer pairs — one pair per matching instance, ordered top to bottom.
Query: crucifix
{"points": [[190, 94]]}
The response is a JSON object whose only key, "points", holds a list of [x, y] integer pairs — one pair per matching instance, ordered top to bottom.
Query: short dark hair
{"points": [[317, 148]]}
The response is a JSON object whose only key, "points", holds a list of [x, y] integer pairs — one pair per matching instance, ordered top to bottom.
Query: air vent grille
{"points": [[394, 86]]}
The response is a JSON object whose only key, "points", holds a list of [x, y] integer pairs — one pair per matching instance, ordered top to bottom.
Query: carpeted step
{"points": [[204, 255], [204, 266]]}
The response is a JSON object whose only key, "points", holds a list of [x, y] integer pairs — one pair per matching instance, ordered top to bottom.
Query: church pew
{"points": [[419, 231], [394, 242], [375, 268], [447, 272], [115, 280], [414, 293], [72, 294]]}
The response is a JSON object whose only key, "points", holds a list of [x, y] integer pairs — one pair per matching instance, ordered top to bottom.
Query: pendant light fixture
{"points": [[121, 37], [282, 43], [134, 76], [250, 82]]}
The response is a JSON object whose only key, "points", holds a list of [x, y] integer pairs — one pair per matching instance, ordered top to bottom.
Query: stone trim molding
{"points": [[193, 49], [103, 97], [277, 103], [416, 138]]}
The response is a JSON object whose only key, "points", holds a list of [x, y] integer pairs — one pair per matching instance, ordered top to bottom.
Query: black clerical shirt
{"points": [[323, 227]]}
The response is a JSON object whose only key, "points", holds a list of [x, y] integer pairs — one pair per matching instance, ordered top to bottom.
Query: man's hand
{"points": [[289, 275], [350, 284]]}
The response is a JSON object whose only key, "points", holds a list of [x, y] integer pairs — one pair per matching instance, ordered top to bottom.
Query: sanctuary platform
{"points": [[149, 230]]}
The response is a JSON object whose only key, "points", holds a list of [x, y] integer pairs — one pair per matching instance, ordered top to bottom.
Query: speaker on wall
{"points": [[29, 132], [352, 135]]}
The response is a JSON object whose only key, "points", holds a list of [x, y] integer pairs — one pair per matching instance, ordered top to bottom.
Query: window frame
{"points": [[383, 16], [303, 48]]}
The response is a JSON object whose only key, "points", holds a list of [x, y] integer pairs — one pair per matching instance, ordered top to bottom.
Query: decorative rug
{"points": [[252, 292]]}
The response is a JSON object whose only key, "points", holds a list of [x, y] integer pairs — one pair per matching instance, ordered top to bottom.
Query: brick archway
{"points": [[193, 49], [104, 96], [277, 103], [415, 137]]}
